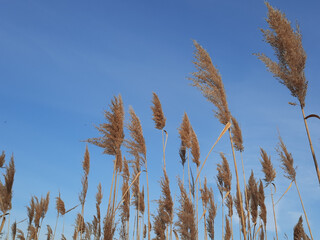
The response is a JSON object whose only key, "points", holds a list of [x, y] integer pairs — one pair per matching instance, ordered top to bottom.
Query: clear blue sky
{"points": [[61, 63]]}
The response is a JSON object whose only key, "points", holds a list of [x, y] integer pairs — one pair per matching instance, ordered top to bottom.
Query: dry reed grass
{"points": [[287, 44]]}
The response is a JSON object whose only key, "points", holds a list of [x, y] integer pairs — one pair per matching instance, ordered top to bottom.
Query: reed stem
{"points": [[311, 146], [238, 185], [246, 195], [148, 201], [274, 214], [305, 214], [55, 228]]}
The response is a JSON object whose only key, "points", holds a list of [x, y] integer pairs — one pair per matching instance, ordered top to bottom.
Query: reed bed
{"points": [[123, 215]]}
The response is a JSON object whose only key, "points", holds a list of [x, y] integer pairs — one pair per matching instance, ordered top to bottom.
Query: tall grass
{"points": [[183, 221]]}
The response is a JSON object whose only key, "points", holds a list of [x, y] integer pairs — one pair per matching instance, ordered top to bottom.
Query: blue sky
{"points": [[62, 62]]}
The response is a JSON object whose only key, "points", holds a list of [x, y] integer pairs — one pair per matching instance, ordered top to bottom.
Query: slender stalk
{"points": [[311, 146], [163, 148], [238, 185], [197, 189], [114, 191], [110, 194], [246, 194], [148, 202], [274, 214], [305, 214], [222, 216], [2, 223], [8, 227], [55, 228]]}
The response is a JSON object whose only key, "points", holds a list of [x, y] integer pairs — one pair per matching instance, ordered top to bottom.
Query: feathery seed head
{"points": [[287, 44], [208, 80], [158, 115], [112, 131], [184, 131], [236, 135], [137, 145], [195, 148], [286, 160], [267, 168], [224, 174]]}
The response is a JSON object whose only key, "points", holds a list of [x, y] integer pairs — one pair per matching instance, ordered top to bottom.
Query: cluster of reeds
{"points": [[183, 222]]}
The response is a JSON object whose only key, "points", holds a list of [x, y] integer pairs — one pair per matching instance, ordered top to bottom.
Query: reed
{"points": [[289, 70], [208, 80], [185, 136], [112, 139], [137, 148], [195, 152], [290, 173], [270, 175], [224, 178], [84, 182], [6, 189], [212, 212], [97, 219], [186, 224], [298, 231]]}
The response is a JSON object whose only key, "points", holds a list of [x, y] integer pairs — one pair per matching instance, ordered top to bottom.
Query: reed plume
{"points": [[289, 70], [208, 80], [158, 116], [160, 122], [112, 131], [184, 131], [236, 135], [185, 136], [111, 141], [137, 148], [195, 152], [2, 159], [286, 161], [267, 168], [290, 173], [270, 174], [224, 175], [84, 182], [6, 187], [6, 190], [205, 197], [254, 201], [237, 203], [263, 209], [61, 210], [211, 215], [164, 217], [97, 219], [186, 224], [108, 226], [14, 230], [298, 231], [49, 233], [20, 235], [227, 235]]}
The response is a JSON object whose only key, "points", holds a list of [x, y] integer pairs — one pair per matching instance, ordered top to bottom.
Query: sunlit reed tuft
{"points": [[157, 113]]}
